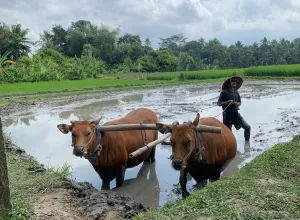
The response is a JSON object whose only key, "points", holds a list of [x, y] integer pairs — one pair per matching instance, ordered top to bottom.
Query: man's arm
{"points": [[222, 101], [239, 101]]}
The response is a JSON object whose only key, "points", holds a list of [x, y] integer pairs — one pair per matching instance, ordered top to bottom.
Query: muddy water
{"points": [[273, 114]]}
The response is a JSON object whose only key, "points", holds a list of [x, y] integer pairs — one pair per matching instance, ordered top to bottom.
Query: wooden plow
{"points": [[128, 127]]}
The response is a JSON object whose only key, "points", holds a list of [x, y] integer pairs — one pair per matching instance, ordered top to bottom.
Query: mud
{"points": [[260, 89], [18, 107], [270, 107], [76, 200]]}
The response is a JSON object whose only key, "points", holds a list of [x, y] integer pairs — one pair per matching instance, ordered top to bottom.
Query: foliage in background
{"points": [[85, 50]]}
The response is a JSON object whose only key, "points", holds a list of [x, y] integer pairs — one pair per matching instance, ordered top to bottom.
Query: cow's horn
{"points": [[175, 123]]}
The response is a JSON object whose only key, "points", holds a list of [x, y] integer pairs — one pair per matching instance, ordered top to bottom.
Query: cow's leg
{"points": [[152, 154], [151, 157], [216, 174], [105, 175], [120, 176], [183, 181], [200, 184], [105, 185]]}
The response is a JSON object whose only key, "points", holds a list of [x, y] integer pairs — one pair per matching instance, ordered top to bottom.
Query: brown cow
{"points": [[108, 151], [203, 155]]}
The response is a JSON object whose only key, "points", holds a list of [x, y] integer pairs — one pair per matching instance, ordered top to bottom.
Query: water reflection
{"points": [[133, 98], [93, 110], [65, 114], [22, 121], [234, 165], [144, 188]]}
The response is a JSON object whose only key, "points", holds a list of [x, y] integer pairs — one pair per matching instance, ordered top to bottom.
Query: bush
{"points": [[50, 65]]}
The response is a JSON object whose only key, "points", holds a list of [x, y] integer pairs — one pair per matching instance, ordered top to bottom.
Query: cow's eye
{"points": [[89, 133], [189, 141]]}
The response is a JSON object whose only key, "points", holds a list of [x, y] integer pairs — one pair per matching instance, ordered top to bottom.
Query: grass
{"points": [[276, 70], [196, 75], [54, 86], [25, 187], [266, 188]]}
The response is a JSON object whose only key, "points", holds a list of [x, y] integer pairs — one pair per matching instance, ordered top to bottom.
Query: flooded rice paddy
{"points": [[270, 109]]}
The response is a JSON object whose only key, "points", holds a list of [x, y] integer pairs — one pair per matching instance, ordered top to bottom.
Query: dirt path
{"points": [[76, 201], [57, 204]]}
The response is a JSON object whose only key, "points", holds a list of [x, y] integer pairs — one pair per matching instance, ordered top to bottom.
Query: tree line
{"points": [[129, 53]]}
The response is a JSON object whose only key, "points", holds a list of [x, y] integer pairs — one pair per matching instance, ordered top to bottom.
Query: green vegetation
{"points": [[84, 51], [274, 71], [196, 75], [53, 86], [25, 186], [266, 188]]}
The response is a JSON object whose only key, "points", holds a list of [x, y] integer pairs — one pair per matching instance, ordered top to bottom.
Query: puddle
{"points": [[271, 112]]}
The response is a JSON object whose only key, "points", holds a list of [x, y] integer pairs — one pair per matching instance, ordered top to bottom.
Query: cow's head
{"points": [[83, 136], [183, 141]]}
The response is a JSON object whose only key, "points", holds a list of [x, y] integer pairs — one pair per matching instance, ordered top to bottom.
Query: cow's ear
{"points": [[196, 120], [96, 122], [64, 128], [162, 128]]}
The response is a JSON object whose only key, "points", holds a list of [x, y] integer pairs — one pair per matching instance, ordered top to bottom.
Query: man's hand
{"points": [[229, 102], [237, 104]]}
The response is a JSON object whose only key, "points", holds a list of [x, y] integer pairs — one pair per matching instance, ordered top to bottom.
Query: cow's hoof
{"points": [[149, 160], [186, 194]]}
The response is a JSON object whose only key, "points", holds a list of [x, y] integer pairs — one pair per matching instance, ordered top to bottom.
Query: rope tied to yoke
{"points": [[144, 139], [201, 146], [199, 154]]}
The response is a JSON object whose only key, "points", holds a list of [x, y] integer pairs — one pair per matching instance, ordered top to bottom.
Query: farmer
{"points": [[230, 101]]}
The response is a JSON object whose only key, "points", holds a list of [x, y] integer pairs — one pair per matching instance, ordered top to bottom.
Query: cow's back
{"points": [[137, 116], [134, 139], [219, 148]]}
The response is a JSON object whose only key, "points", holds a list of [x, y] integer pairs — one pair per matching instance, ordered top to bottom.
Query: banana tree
{"points": [[4, 57]]}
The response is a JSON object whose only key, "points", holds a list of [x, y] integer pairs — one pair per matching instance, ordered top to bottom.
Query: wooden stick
{"points": [[127, 127], [209, 129], [149, 146]]}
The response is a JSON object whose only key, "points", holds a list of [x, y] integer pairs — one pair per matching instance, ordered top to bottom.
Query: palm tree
{"points": [[5, 38], [45, 40], [20, 44]]}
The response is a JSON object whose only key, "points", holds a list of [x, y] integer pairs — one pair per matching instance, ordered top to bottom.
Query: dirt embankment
{"points": [[76, 200]]}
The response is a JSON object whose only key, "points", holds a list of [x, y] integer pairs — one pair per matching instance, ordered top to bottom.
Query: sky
{"points": [[227, 20]]}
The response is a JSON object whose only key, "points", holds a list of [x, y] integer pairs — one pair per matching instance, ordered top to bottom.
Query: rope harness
{"points": [[198, 136], [144, 139], [98, 148], [93, 154]]}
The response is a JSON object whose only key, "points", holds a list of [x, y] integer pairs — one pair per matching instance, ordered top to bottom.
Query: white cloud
{"points": [[295, 3], [227, 20]]}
